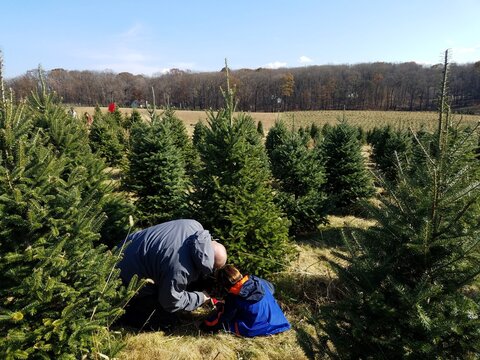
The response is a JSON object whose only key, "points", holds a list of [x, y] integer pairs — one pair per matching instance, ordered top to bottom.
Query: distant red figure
{"points": [[111, 107]]}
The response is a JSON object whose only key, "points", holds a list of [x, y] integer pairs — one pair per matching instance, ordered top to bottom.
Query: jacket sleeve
{"points": [[173, 296]]}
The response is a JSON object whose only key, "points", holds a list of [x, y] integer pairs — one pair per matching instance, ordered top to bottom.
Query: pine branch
{"points": [[2, 88], [229, 96], [152, 109], [442, 126], [425, 152], [458, 216]]}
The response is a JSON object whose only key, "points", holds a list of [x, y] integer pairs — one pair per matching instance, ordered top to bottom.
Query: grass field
{"points": [[365, 119]]}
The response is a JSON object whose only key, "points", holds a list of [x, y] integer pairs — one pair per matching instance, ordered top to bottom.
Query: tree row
{"points": [[371, 86]]}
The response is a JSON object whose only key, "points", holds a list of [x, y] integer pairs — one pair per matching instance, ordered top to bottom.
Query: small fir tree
{"points": [[134, 118], [260, 130], [198, 133], [315, 134], [304, 135], [276, 136], [107, 137], [181, 140], [387, 146], [156, 173], [300, 177], [347, 178], [233, 196], [409, 278]]}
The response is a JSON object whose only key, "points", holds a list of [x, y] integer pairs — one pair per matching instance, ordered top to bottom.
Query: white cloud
{"points": [[133, 33], [465, 54], [304, 59], [276, 65]]}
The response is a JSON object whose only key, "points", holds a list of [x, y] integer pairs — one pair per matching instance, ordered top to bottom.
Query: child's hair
{"points": [[226, 277]]}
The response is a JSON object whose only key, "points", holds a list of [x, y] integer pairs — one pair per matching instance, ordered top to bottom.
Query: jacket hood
{"points": [[201, 248], [252, 289]]}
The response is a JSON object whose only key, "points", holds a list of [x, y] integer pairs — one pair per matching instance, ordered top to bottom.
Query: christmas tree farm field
{"points": [[363, 118], [301, 290]]}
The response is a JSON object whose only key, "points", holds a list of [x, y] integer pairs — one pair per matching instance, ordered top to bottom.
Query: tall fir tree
{"points": [[69, 136], [182, 140], [387, 146], [157, 171], [300, 178], [347, 178], [233, 196], [409, 279], [59, 291]]}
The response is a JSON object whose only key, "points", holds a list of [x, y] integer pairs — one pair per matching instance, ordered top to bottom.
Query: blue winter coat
{"points": [[173, 255], [253, 311]]}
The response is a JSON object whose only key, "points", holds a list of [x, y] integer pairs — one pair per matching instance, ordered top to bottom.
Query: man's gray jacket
{"points": [[172, 254]]}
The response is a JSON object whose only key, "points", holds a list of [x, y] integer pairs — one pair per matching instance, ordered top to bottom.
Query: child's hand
{"points": [[214, 301]]}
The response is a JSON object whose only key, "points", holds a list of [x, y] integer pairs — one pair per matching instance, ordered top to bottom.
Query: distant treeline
{"points": [[369, 86]]}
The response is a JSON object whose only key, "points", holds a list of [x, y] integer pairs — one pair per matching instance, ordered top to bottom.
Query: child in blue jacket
{"points": [[249, 308]]}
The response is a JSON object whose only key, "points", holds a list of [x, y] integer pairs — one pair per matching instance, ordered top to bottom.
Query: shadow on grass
{"points": [[332, 235], [325, 238], [301, 294], [303, 297], [186, 324], [314, 347]]}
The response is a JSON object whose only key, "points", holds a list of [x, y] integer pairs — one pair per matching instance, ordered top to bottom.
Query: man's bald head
{"points": [[220, 255]]}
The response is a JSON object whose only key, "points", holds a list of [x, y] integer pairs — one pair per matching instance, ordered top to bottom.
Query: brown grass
{"points": [[366, 119], [220, 347]]}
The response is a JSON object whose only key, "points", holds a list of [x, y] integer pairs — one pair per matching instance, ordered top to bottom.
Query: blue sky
{"points": [[150, 37]]}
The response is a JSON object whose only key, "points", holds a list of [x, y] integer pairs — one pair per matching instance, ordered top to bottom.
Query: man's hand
{"points": [[206, 296]]}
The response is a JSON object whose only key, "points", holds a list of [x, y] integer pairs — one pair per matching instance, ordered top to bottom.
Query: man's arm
{"points": [[173, 296]]}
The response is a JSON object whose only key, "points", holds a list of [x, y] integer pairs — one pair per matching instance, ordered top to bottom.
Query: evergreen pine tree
{"points": [[134, 118], [260, 129], [198, 133], [315, 133], [304, 135], [69, 136], [276, 136], [107, 137], [181, 140], [387, 146], [156, 172], [300, 177], [347, 179], [233, 196], [408, 277], [59, 291]]}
